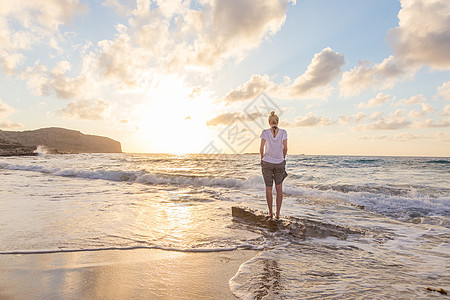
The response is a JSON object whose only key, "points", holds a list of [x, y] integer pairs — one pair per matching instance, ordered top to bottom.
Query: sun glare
{"points": [[172, 122]]}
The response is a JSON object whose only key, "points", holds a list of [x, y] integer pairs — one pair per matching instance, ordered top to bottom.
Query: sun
{"points": [[173, 122]]}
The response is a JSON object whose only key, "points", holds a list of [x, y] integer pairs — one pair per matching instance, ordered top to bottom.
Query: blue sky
{"points": [[346, 77]]}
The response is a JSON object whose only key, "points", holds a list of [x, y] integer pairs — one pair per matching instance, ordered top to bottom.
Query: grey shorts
{"points": [[273, 172]]}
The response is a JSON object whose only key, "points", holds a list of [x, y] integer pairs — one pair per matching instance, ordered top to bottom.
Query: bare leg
{"points": [[279, 189], [269, 199]]}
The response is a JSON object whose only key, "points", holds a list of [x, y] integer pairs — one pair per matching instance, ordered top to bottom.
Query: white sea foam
{"points": [[41, 150], [401, 202]]}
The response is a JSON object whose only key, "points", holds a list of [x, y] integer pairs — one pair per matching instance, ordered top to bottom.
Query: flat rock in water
{"points": [[299, 227]]}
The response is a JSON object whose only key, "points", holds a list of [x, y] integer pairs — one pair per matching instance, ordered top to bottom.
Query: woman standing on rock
{"points": [[273, 152]]}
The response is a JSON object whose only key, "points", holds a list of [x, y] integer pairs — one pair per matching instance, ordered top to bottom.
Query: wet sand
{"points": [[120, 274]]}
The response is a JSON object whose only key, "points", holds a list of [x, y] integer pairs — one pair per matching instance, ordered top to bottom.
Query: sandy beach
{"points": [[120, 274]]}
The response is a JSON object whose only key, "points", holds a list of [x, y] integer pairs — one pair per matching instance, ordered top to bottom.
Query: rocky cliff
{"points": [[55, 140]]}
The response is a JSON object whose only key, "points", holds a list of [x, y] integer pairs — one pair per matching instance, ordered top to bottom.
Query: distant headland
{"points": [[54, 140]]}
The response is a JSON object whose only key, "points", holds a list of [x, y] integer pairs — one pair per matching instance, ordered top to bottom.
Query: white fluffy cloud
{"points": [[27, 22], [230, 27], [423, 33], [171, 36], [422, 37], [121, 61], [325, 66], [323, 69], [366, 75], [43, 81], [250, 89], [444, 90], [378, 100], [411, 100], [426, 108], [85, 110], [5, 111], [446, 111], [229, 117], [359, 117], [310, 120], [394, 122], [430, 123], [401, 137]]}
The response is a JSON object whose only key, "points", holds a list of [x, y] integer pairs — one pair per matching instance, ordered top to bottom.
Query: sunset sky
{"points": [[347, 77]]}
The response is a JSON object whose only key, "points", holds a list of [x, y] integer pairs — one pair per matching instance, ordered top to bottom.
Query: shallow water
{"points": [[88, 202]]}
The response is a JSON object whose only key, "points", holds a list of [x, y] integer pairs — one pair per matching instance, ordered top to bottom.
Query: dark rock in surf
{"points": [[10, 148], [299, 227], [441, 290]]}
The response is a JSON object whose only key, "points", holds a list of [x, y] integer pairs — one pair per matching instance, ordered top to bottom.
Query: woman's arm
{"points": [[261, 147], [284, 148]]}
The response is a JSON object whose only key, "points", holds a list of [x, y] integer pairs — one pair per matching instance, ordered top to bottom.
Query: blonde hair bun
{"points": [[273, 118]]}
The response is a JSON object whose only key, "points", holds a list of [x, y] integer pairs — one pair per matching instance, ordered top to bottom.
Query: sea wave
{"points": [[439, 161], [141, 176], [403, 202]]}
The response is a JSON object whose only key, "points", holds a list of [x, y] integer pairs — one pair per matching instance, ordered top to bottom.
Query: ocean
{"points": [[396, 209]]}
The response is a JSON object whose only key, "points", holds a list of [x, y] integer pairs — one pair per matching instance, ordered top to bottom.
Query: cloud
{"points": [[118, 8], [26, 23], [227, 28], [423, 33], [171, 36], [422, 37], [120, 60], [9, 62], [323, 69], [366, 75], [43, 81], [249, 90], [444, 90], [196, 91], [411, 100], [377, 101], [426, 108], [85, 110], [5, 111], [446, 111], [376, 115], [230, 117], [359, 117], [223, 119], [345, 119], [310, 120], [394, 122], [430, 123], [6, 124], [385, 125], [401, 137]]}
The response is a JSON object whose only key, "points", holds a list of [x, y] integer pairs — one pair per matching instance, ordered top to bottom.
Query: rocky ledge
{"points": [[54, 140], [8, 148]]}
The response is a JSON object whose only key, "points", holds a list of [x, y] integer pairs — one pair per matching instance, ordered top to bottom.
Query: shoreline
{"points": [[119, 274]]}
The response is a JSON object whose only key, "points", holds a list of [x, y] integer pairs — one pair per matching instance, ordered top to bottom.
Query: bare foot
{"points": [[277, 217]]}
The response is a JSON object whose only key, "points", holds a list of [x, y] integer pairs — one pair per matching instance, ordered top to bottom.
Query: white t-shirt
{"points": [[273, 149]]}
